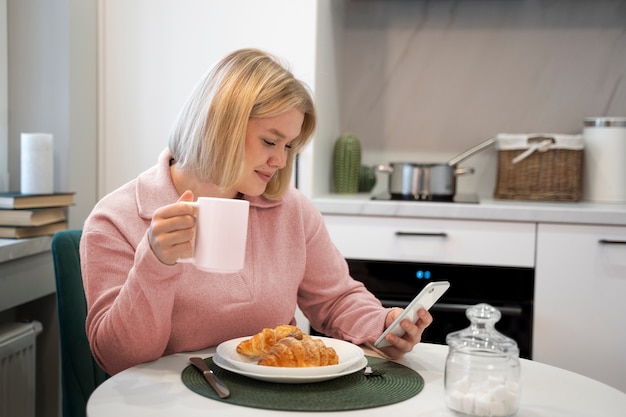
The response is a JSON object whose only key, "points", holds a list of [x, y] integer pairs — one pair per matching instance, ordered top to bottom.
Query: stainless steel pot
{"points": [[415, 181], [428, 181]]}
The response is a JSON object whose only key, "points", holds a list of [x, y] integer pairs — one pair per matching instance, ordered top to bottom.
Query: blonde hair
{"points": [[209, 134]]}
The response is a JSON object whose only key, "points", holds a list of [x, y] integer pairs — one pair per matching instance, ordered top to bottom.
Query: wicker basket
{"points": [[542, 167]]}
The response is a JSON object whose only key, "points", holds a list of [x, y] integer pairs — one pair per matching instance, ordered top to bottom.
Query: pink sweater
{"points": [[140, 309]]}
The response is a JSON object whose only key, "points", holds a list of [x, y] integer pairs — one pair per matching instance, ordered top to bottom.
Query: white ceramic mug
{"points": [[221, 233]]}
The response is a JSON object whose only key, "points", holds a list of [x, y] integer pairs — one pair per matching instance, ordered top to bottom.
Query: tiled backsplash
{"points": [[422, 81]]}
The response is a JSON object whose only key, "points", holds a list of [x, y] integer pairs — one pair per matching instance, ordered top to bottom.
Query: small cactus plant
{"points": [[347, 164], [367, 179]]}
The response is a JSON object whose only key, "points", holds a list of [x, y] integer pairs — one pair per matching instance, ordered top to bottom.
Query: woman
{"points": [[236, 137]]}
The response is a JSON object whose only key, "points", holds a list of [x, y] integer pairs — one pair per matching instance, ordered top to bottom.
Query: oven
{"points": [[485, 261], [510, 289]]}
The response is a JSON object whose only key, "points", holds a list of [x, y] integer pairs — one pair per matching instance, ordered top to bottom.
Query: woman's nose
{"points": [[278, 159]]}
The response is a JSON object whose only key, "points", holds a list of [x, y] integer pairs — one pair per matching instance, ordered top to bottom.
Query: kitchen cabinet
{"points": [[434, 240], [26, 271], [579, 281], [580, 284], [27, 292]]}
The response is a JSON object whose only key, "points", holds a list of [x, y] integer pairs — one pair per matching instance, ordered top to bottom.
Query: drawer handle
{"points": [[435, 234], [611, 242]]}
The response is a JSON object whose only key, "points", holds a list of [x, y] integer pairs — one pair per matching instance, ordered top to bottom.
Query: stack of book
{"points": [[32, 215]]}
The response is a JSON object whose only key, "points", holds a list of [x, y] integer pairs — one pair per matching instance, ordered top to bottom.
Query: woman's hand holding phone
{"points": [[425, 299]]}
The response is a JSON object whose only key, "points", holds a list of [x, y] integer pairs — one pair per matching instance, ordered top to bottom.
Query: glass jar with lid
{"points": [[482, 372]]}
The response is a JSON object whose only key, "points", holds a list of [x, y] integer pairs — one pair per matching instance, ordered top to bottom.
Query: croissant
{"points": [[261, 342], [293, 353]]}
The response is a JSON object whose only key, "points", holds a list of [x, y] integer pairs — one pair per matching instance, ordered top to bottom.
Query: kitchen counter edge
{"points": [[612, 214]]}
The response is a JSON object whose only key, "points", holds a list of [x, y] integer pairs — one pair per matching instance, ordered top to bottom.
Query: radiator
{"points": [[17, 368]]}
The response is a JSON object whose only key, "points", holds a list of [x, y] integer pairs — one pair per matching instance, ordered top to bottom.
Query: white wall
{"points": [[152, 54], [51, 66], [52, 72], [415, 80], [421, 81], [4, 100]]}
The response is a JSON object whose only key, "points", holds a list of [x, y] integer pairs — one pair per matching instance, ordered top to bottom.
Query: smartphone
{"points": [[426, 298]]}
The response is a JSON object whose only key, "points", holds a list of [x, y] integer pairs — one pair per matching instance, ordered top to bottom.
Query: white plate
{"points": [[348, 353], [290, 379]]}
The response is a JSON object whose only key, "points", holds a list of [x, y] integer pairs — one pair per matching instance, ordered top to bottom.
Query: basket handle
{"points": [[536, 143]]}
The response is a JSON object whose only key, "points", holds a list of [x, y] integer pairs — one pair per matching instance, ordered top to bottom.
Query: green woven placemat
{"points": [[349, 392]]}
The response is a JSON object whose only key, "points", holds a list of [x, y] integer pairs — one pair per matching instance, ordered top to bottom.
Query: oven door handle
{"points": [[431, 234]]}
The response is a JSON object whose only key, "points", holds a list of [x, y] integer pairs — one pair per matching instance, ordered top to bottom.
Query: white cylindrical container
{"points": [[37, 163], [604, 173]]}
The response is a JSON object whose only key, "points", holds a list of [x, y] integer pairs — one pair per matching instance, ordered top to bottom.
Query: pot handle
{"points": [[471, 151], [383, 168], [463, 171]]}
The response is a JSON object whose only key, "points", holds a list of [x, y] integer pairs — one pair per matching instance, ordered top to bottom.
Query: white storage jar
{"points": [[604, 166]]}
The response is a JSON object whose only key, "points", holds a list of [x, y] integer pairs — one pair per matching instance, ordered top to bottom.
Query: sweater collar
{"points": [[155, 189]]}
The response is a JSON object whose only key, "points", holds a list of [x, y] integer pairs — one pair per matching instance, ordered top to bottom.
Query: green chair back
{"points": [[80, 374]]}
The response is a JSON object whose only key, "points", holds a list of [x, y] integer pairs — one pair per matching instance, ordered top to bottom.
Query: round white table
{"points": [[156, 389]]}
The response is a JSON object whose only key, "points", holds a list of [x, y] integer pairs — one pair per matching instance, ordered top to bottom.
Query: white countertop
{"points": [[486, 209], [11, 249], [156, 389]]}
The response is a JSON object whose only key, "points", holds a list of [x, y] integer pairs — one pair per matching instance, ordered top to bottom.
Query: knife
{"points": [[210, 377]]}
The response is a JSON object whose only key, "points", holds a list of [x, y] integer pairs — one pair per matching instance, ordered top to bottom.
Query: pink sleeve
{"points": [[130, 296], [334, 302]]}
